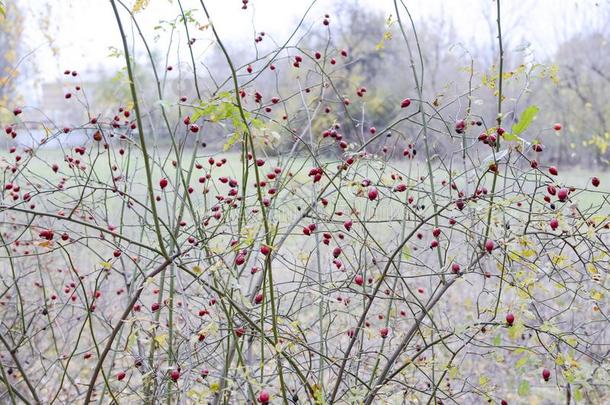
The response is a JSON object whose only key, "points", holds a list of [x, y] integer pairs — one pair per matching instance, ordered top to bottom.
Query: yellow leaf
{"points": [[140, 5], [528, 252], [303, 257], [558, 260], [596, 295], [210, 329], [160, 339], [571, 341]]}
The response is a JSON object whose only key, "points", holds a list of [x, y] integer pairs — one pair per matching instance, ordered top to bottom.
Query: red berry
{"points": [[405, 103], [460, 126], [557, 127], [553, 170], [595, 181], [163, 183], [400, 187], [373, 193], [562, 194], [554, 223], [348, 224], [489, 245], [265, 250], [336, 252], [240, 259], [455, 268], [359, 279], [510, 318], [383, 332], [546, 374], [120, 375], [174, 375], [263, 397]]}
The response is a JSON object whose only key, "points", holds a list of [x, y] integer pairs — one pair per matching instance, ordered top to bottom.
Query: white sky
{"points": [[85, 29]]}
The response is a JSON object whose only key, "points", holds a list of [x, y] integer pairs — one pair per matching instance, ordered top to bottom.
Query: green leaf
{"points": [[2, 9], [218, 108], [527, 116], [258, 124], [507, 136], [234, 138], [406, 252], [515, 331], [521, 362], [524, 388], [318, 395], [578, 395]]}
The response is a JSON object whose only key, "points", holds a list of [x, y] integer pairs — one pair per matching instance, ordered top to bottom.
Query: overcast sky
{"points": [[84, 30]]}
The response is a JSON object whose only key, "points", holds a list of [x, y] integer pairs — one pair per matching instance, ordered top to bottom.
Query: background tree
{"points": [[11, 50]]}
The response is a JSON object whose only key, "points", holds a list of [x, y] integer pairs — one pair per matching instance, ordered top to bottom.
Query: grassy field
{"points": [[308, 285]]}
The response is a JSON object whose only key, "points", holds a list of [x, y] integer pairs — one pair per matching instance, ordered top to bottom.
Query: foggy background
{"points": [[556, 57]]}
